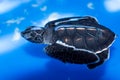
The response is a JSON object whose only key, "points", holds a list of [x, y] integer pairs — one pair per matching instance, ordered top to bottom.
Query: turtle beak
{"points": [[25, 35]]}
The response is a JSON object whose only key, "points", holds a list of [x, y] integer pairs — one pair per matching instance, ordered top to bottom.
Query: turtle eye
{"points": [[40, 32]]}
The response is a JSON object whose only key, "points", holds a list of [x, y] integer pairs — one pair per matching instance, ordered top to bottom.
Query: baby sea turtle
{"points": [[78, 40]]}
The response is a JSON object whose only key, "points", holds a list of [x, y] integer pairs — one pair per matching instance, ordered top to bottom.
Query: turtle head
{"points": [[33, 34]]}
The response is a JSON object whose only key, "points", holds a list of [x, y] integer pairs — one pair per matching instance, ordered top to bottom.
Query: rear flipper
{"points": [[66, 54], [102, 57]]}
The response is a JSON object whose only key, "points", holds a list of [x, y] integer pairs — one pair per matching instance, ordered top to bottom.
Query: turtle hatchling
{"points": [[77, 40]]}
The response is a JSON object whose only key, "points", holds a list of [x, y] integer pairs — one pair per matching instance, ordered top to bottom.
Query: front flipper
{"points": [[66, 54], [102, 57]]}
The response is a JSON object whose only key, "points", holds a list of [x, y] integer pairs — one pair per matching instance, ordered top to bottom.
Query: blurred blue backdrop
{"points": [[22, 60]]}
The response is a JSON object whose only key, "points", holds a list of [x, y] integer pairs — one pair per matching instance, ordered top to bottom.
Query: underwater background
{"points": [[23, 60]]}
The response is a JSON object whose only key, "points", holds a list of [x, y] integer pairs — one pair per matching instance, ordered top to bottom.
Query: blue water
{"points": [[22, 60]]}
